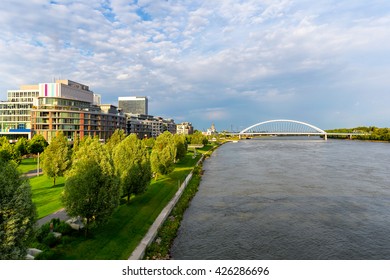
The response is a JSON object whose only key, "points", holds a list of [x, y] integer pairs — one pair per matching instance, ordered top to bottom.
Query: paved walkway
{"points": [[33, 173], [60, 214]]}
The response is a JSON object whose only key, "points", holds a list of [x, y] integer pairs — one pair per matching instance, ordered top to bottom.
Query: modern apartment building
{"points": [[64, 105], [133, 105], [15, 113], [139, 122], [146, 126]]}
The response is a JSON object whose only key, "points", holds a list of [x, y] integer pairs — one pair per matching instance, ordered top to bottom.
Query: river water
{"points": [[290, 199]]}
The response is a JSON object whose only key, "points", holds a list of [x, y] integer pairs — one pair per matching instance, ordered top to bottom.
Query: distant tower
{"points": [[133, 105], [213, 128]]}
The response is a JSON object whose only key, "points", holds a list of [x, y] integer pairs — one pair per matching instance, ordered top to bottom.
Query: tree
{"points": [[117, 137], [198, 138], [149, 142], [37, 144], [22, 146], [181, 146], [8, 151], [163, 154], [55, 158], [132, 165], [91, 188], [17, 213]]}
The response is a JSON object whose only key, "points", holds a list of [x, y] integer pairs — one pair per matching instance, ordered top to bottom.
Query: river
{"points": [[287, 198]]}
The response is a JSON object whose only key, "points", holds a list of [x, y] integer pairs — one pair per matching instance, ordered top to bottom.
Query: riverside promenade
{"points": [[139, 251]]}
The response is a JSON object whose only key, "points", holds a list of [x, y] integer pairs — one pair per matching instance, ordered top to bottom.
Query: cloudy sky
{"points": [[229, 62]]}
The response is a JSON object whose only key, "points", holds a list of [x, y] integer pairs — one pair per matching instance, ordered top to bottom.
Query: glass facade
{"points": [[133, 105], [61, 106], [15, 113], [74, 118]]}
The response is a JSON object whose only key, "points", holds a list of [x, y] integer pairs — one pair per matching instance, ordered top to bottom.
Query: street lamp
{"points": [[38, 165]]}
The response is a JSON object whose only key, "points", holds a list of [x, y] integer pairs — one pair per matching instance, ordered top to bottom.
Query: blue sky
{"points": [[229, 62]]}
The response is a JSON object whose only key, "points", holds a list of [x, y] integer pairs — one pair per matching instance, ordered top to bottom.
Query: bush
{"points": [[63, 228], [42, 232], [50, 240], [66, 240], [39, 246], [47, 255]]}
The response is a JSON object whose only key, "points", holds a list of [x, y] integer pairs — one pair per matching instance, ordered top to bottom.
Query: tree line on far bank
{"points": [[371, 133], [96, 177]]}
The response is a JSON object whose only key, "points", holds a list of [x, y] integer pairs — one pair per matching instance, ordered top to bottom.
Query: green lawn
{"points": [[27, 164], [46, 198], [130, 222]]}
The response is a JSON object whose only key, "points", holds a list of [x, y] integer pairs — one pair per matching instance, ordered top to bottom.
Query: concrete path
{"points": [[32, 173], [60, 214]]}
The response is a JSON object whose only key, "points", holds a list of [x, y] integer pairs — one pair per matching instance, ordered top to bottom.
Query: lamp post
{"points": [[38, 165]]}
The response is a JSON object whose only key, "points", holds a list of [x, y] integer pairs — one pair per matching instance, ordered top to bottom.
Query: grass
{"points": [[27, 164], [46, 198], [130, 222], [168, 231]]}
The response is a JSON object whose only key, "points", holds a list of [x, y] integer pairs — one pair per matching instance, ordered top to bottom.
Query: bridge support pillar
{"points": [[325, 137]]}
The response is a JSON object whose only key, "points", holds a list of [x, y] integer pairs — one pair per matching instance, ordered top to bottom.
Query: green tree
{"points": [[118, 136], [198, 138], [149, 142], [37, 144], [76, 144], [22, 146], [181, 146], [8, 151], [163, 154], [55, 158], [132, 165], [91, 188], [17, 213]]}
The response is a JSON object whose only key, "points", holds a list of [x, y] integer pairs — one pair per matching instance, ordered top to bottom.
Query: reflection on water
{"points": [[297, 199]]}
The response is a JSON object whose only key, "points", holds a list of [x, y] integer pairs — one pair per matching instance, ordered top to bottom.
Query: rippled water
{"points": [[290, 199]]}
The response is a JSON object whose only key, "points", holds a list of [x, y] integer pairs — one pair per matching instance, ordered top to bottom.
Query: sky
{"points": [[228, 62]]}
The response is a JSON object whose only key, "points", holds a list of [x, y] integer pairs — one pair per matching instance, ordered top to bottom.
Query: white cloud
{"points": [[266, 51]]}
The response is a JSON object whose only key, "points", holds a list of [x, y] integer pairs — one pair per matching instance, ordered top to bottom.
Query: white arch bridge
{"points": [[285, 128]]}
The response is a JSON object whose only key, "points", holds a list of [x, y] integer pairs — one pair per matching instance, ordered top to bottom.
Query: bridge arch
{"points": [[283, 126]]}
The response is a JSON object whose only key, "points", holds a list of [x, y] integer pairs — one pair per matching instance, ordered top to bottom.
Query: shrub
{"points": [[63, 228], [42, 232], [50, 240], [66, 240], [39, 246], [46, 255]]}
